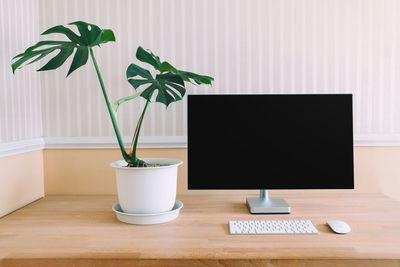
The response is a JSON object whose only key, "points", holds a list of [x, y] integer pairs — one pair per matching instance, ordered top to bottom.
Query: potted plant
{"points": [[144, 185]]}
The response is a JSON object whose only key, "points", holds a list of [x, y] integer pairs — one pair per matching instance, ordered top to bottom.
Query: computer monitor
{"points": [[265, 141]]}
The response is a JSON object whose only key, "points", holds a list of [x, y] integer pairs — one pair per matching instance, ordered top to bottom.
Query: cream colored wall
{"points": [[377, 169], [87, 171], [21, 180]]}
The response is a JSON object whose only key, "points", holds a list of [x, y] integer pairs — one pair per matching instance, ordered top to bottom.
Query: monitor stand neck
{"points": [[264, 194], [265, 204]]}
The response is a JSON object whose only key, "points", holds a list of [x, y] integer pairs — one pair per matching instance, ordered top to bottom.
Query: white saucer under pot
{"points": [[147, 190], [154, 218]]}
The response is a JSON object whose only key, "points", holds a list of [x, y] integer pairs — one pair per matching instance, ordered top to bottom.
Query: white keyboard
{"points": [[272, 227]]}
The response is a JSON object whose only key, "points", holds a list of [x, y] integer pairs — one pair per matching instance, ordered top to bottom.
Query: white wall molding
{"points": [[377, 140], [181, 141], [111, 142], [17, 147]]}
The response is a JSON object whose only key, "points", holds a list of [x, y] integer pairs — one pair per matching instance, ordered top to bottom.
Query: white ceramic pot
{"points": [[147, 189]]}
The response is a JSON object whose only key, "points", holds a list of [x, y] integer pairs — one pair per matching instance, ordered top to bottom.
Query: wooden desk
{"points": [[82, 230]]}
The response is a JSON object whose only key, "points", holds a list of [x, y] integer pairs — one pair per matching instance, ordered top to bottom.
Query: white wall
{"points": [[253, 46], [290, 46], [20, 94]]}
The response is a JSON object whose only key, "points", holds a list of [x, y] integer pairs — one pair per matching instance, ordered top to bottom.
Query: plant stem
{"points": [[110, 110], [136, 136]]}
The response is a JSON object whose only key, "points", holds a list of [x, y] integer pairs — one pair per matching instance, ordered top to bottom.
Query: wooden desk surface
{"points": [[61, 230]]}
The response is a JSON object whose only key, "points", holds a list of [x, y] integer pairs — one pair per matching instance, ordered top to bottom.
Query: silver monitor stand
{"points": [[265, 204]]}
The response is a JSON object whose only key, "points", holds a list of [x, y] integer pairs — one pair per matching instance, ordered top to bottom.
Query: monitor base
{"points": [[265, 204]]}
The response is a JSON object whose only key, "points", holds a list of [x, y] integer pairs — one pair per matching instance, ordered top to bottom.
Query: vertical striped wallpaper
{"points": [[248, 46], [20, 94]]}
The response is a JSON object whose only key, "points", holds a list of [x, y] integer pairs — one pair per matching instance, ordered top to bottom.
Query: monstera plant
{"points": [[167, 86]]}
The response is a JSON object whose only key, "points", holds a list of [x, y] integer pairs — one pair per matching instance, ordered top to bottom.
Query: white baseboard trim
{"points": [[377, 140], [181, 141], [111, 142], [17, 147]]}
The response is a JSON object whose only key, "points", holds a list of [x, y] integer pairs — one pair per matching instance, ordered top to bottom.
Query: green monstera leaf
{"points": [[90, 35], [150, 58], [169, 84], [170, 87]]}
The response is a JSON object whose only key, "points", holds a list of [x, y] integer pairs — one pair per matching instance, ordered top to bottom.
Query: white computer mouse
{"points": [[339, 227]]}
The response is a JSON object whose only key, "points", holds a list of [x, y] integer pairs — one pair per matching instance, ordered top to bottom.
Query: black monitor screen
{"points": [[270, 142]]}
